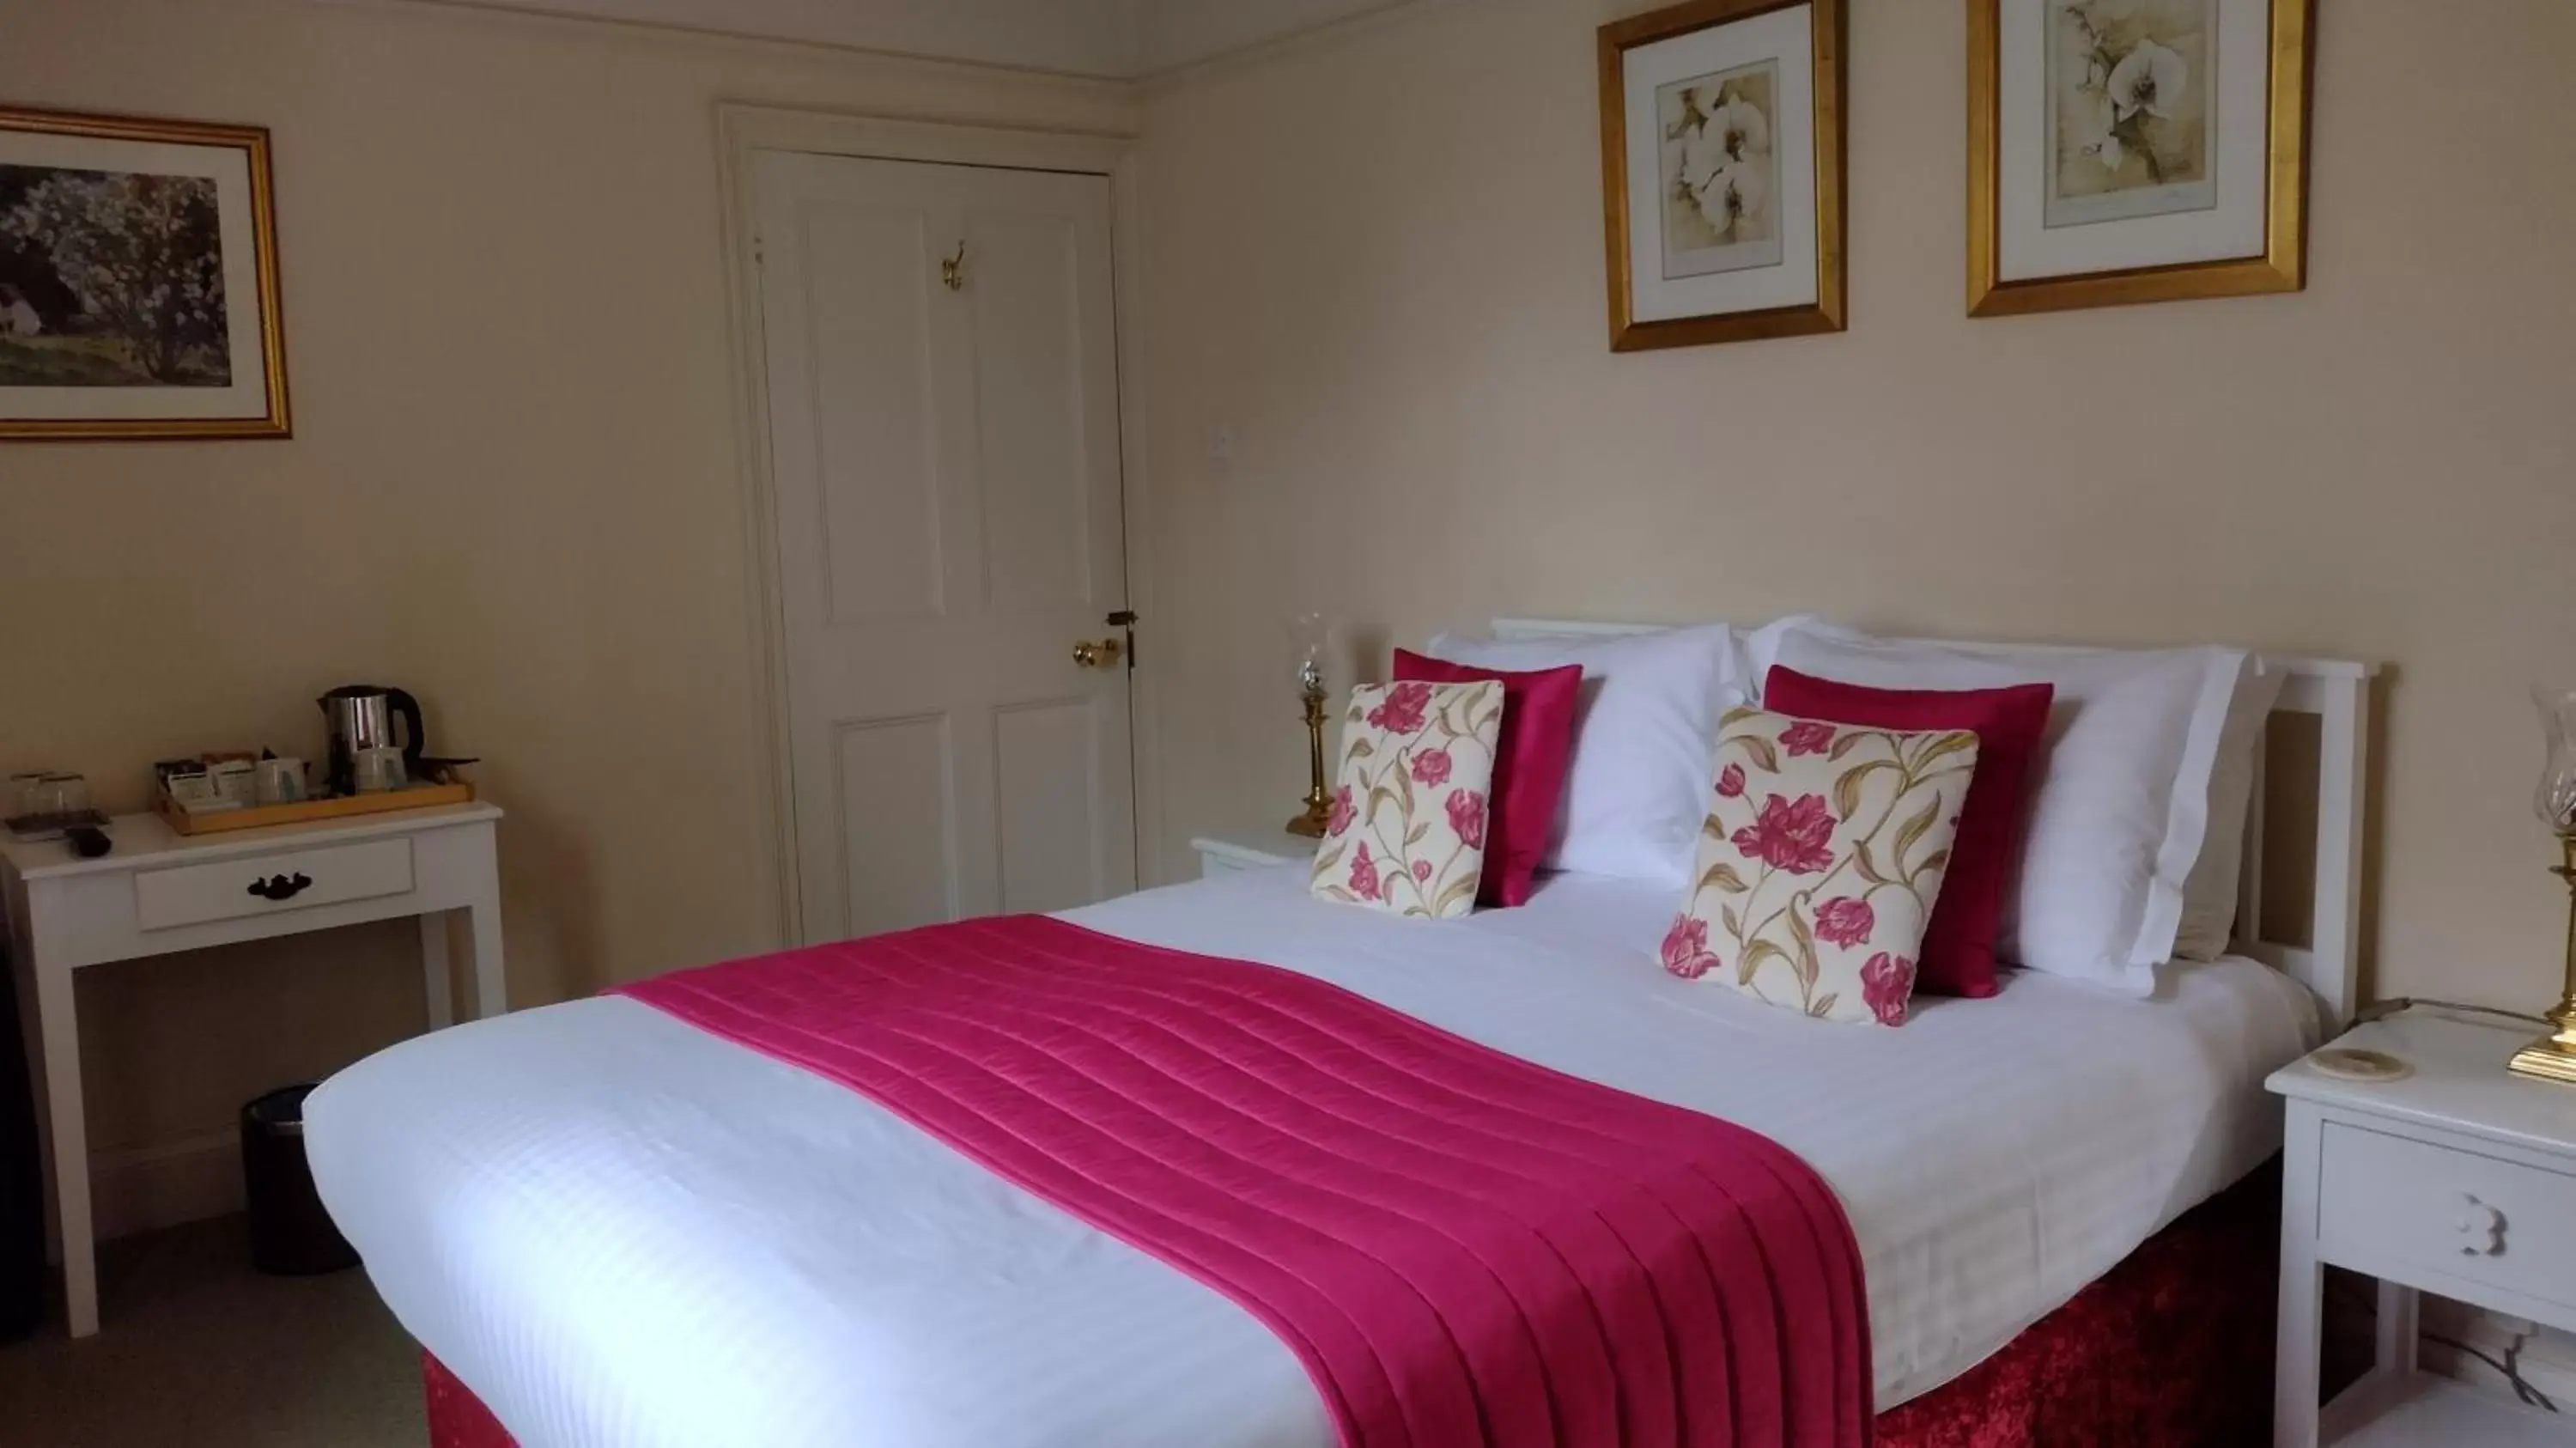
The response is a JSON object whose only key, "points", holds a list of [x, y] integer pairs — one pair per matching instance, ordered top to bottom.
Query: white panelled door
{"points": [[943, 415]]}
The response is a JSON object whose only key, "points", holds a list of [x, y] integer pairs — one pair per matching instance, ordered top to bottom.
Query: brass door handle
{"points": [[1099, 655]]}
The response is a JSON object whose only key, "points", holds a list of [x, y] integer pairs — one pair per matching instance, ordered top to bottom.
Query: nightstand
{"points": [[1251, 850], [2458, 1179]]}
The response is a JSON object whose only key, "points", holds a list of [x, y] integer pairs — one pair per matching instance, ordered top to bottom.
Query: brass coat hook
{"points": [[952, 270]]}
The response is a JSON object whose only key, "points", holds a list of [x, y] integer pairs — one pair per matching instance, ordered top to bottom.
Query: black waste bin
{"points": [[22, 1184], [290, 1234]]}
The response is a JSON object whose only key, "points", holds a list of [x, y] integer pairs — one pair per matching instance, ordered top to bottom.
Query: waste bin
{"points": [[22, 1184], [290, 1234]]}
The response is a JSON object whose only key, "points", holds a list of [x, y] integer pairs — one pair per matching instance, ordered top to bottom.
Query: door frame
{"points": [[743, 129]]}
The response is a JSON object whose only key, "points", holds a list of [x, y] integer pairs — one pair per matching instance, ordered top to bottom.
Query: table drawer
{"points": [[267, 884], [2475, 1217]]}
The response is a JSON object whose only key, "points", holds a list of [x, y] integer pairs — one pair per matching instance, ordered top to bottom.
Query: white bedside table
{"points": [[1252, 850], [159, 892], [2458, 1180]]}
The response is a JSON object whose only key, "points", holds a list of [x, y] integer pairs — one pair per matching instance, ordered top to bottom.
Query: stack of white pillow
{"points": [[2137, 809]]}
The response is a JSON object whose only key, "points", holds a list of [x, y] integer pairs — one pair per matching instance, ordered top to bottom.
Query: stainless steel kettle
{"points": [[361, 716]]}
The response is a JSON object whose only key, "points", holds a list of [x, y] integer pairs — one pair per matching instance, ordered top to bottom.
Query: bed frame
{"points": [[2336, 693]]}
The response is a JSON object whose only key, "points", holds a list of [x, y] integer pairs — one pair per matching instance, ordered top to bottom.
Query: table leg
{"points": [[482, 942], [434, 970], [67, 1134], [2303, 1288], [2399, 1329]]}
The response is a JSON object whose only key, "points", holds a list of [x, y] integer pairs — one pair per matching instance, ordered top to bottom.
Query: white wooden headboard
{"points": [[2337, 692]]}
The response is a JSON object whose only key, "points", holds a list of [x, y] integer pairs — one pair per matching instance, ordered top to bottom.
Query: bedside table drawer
{"points": [[267, 884], [2471, 1216]]}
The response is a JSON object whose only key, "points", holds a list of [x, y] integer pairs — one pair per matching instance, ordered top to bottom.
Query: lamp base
{"points": [[1311, 824], [2551, 1058]]}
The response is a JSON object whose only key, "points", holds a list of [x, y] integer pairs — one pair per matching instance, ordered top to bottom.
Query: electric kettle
{"points": [[361, 716]]}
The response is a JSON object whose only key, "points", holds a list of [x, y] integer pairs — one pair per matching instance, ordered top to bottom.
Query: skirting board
{"points": [[145, 1188]]}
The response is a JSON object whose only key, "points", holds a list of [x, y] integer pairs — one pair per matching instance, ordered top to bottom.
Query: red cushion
{"points": [[1530, 760], [1959, 943]]}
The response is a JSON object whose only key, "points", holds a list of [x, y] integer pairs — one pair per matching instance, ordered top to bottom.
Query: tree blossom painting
{"points": [[2130, 85], [1721, 179], [110, 279], [138, 280]]}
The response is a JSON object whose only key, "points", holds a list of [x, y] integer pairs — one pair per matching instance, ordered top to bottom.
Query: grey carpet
{"points": [[198, 1351]]}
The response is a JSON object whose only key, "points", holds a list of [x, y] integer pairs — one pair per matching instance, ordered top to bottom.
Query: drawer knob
{"points": [[280, 887], [2481, 1228]]}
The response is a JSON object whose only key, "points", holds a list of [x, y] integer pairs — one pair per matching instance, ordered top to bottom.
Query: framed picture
{"points": [[2135, 151], [1722, 171], [138, 280]]}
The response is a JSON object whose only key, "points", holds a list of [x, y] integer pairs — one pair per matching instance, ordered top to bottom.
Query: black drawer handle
{"points": [[279, 887]]}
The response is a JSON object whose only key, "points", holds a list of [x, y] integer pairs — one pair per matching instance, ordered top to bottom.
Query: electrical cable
{"points": [[2381, 1010], [2507, 1366]]}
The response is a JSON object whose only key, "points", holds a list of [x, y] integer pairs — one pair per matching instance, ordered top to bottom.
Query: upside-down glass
{"points": [[63, 796]]}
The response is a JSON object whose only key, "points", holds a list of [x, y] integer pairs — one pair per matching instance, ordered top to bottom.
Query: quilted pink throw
{"points": [[1462, 1247]]}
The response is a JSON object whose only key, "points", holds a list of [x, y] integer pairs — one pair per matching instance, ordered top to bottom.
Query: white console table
{"points": [[158, 892]]}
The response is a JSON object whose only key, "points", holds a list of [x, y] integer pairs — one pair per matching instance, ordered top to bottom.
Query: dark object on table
{"points": [[88, 841], [290, 1234]]}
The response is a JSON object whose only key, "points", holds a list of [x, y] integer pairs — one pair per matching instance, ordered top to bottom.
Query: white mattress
{"points": [[619, 1230]]}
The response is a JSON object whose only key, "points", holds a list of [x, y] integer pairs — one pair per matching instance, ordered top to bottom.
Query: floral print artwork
{"points": [[2130, 83], [1721, 176], [1407, 828], [1819, 862]]}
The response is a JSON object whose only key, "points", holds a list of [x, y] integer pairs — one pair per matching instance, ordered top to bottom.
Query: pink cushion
{"points": [[1529, 763], [1959, 946]]}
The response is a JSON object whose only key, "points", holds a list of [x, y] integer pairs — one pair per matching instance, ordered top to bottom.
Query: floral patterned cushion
{"points": [[1408, 826], [1820, 861]]}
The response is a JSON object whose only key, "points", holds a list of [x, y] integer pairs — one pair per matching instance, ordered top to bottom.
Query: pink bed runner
{"points": [[1462, 1247]]}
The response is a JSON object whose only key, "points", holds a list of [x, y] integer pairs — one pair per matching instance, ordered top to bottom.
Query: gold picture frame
{"points": [[1827, 75], [2281, 264], [223, 378]]}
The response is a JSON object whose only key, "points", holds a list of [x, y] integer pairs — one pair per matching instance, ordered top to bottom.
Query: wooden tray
{"points": [[418, 796]]}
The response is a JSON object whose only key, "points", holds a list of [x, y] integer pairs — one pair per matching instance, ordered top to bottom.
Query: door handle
{"points": [[1101, 655], [280, 887]]}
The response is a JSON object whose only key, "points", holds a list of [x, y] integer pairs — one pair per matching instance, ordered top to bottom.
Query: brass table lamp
{"points": [[1314, 633], [2553, 1056]]}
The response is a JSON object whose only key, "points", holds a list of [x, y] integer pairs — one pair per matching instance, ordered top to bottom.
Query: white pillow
{"points": [[1643, 732], [2125, 796], [2209, 897]]}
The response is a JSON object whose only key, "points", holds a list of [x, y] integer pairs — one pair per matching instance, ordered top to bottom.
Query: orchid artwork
{"points": [[2130, 88], [1721, 171], [1721, 175]]}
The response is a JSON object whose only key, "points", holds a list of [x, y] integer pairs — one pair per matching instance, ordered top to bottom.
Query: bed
{"points": [[611, 1228]]}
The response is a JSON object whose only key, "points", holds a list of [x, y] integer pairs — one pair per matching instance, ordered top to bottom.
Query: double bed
{"points": [[614, 1228]]}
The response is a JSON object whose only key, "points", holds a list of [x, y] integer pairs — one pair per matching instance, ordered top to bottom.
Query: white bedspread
{"points": [[618, 1230]]}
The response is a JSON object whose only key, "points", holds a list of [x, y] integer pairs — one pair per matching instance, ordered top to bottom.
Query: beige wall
{"points": [[1376, 257], [513, 489]]}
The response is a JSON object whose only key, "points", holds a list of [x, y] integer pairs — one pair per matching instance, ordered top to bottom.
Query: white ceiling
{"points": [[1123, 39]]}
